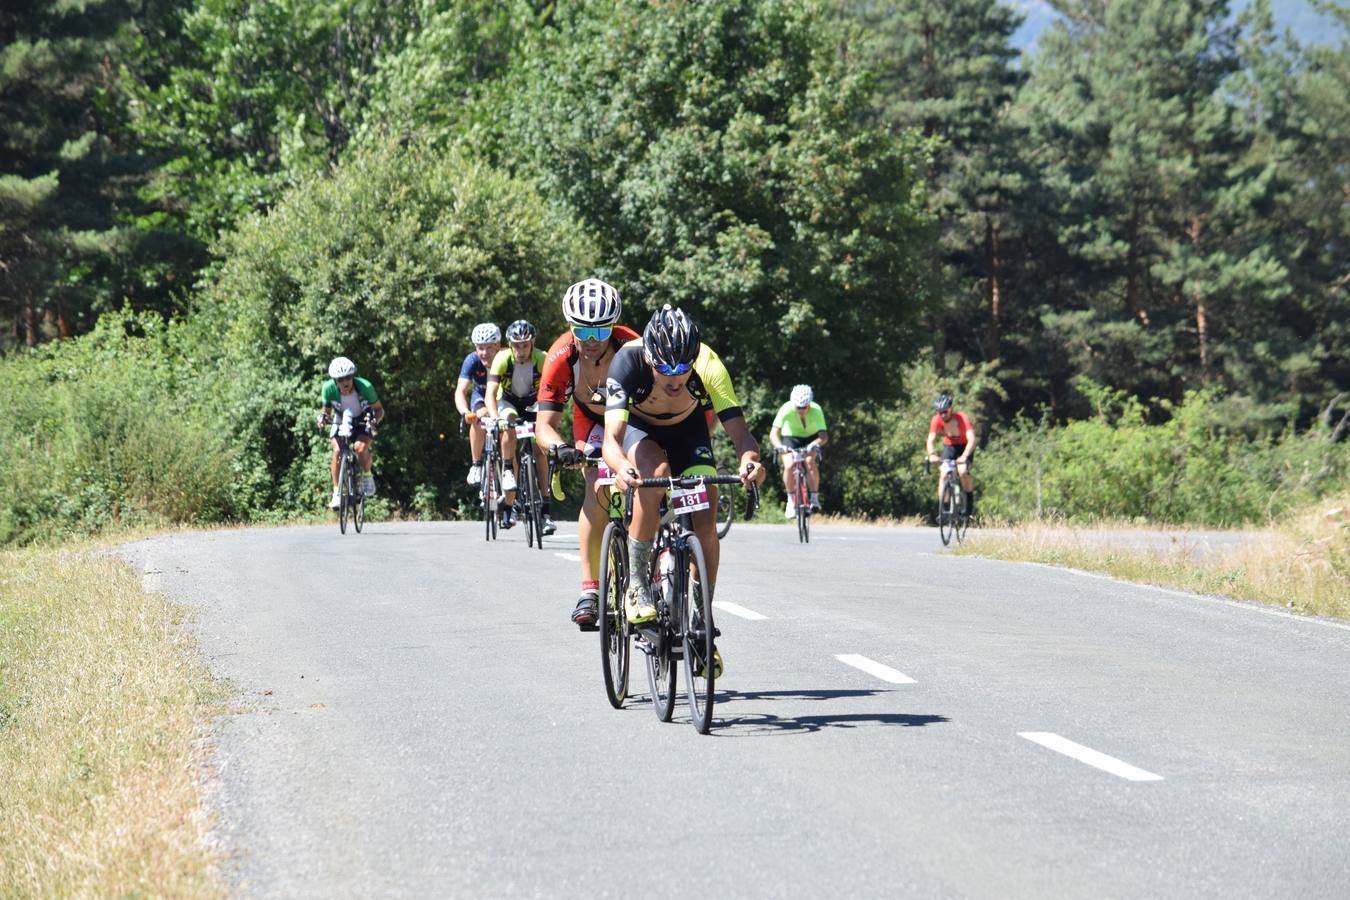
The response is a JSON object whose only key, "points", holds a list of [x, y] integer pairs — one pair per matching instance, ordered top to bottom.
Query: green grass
{"points": [[103, 705]]}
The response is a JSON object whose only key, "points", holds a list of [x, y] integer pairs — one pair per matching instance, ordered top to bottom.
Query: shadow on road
{"points": [[766, 723], [751, 724]]}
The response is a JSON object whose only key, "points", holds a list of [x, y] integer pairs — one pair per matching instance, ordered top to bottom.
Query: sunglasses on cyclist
{"points": [[592, 333], [677, 369]]}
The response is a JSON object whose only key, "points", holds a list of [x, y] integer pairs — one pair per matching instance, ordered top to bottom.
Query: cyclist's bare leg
{"points": [[477, 440], [362, 447], [337, 456], [509, 458], [650, 461], [813, 473], [789, 479], [967, 483], [705, 526], [591, 527]]}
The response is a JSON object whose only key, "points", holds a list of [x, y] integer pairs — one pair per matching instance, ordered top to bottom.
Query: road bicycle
{"points": [[490, 492], [802, 493], [351, 499], [529, 500], [953, 520], [682, 594], [615, 639]]}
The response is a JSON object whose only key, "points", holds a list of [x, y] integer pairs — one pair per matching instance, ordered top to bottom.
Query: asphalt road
{"points": [[418, 717]]}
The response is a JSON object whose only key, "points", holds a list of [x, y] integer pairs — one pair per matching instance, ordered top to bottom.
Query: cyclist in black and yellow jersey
{"points": [[512, 388], [657, 391]]}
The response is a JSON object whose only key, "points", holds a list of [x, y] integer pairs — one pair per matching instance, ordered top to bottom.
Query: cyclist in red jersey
{"points": [[576, 366], [958, 439]]}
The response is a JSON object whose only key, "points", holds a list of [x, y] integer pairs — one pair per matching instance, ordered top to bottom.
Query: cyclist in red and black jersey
{"points": [[576, 366], [958, 440]]}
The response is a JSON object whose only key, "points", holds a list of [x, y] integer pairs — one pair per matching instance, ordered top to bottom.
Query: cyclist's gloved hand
{"points": [[470, 417], [320, 420], [779, 448], [567, 456]]}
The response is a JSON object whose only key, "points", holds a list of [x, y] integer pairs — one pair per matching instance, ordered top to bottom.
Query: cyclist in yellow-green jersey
{"points": [[800, 425]]}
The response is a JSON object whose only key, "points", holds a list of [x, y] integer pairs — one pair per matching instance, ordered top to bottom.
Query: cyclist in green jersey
{"points": [[345, 392], [800, 425]]}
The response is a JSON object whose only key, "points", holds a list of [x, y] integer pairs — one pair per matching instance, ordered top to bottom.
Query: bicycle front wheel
{"points": [[490, 485], [344, 494], [532, 502], [803, 510], [947, 514], [962, 520], [615, 643], [700, 670]]}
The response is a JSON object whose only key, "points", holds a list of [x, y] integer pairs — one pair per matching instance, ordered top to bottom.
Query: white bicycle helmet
{"points": [[591, 302], [486, 333], [341, 367], [802, 396]]}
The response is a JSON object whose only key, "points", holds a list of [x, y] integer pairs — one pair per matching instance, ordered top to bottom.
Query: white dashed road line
{"points": [[570, 557], [738, 610], [872, 667], [1087, 755]]}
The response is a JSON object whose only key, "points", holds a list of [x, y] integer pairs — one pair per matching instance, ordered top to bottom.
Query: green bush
{"points": [[391, 261], [106, 428], [1190, 469]]}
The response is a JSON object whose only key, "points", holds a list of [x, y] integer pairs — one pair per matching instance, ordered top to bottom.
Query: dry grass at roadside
{"points": [[1304, 564], [102, 706]]}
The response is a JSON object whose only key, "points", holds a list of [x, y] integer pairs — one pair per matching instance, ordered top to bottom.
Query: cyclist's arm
{"points": [[462, 390], [377, 409], [616, 426], [546, 434], [969, 434], [932, 436], [775, 437], [822, 437], [747, 448]]}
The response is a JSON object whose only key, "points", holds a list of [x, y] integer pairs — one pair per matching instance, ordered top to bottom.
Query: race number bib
{"points": [[524, 429], [603, 475], [688, 500]]}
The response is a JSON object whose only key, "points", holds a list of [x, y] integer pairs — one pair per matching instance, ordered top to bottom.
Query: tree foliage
{"points": [[720, 154]]}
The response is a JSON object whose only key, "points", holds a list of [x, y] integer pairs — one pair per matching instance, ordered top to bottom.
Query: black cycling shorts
{"points": [[798, 443], [687, 444], [954, 451]]}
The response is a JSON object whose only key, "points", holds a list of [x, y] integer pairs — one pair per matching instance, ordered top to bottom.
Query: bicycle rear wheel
{"points": [[343, 495], [726, 504], [359, 514], [947, 514], [962, 520], [698, 630], [616, 646], [660, 651], [661, 680]]}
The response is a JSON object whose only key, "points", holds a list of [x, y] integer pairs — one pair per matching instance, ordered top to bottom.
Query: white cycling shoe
{"points": [[508, 481]]}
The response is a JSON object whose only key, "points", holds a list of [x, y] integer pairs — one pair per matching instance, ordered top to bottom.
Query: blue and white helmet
{"points": [[486, 333], [802, 396]]}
